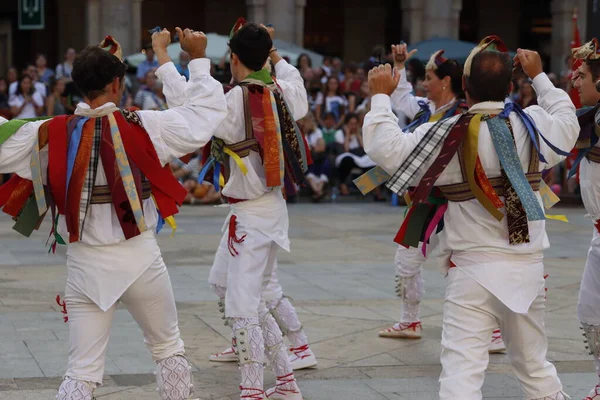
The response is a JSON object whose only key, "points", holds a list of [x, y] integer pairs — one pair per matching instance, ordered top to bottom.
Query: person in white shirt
{"points": [[585, 80], [39, 87], [26, 101], [257, 226], [112, 252], [495, 271]]}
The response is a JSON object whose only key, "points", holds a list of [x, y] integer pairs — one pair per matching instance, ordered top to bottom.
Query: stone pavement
{"points": [[340, 274]]}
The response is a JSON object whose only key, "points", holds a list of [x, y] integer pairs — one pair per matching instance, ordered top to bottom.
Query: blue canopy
{"points": [[454, 49]]}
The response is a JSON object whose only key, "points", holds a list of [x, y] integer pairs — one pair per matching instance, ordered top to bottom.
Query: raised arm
{"points": [[291, 82], [402, 98], [555, 116], [185, 128], [383, 139]]}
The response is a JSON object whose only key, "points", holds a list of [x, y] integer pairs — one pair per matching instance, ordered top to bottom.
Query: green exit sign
{"points": [[31, 14]]}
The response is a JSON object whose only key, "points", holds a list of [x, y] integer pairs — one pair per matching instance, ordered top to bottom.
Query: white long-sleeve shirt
{"points": [[405, 101], [174, 133], [472, 238]]}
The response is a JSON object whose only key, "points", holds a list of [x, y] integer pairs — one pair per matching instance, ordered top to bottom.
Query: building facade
{"points": [[345, 28]]}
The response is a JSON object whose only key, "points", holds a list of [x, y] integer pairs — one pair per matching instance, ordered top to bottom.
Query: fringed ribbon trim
{"points": [[233, 239]]}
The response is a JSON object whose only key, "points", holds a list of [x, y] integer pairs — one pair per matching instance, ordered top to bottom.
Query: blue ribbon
{"points": [[422, 117], [531, 129], [74, 147], [507, 153], [205, 169], [216, 174], [160, 223]]}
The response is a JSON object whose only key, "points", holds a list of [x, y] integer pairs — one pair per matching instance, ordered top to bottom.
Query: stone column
{"points": [[256, 10], [299, 12], [442, 18], [121, 19], [412, 20], [562, 32]]}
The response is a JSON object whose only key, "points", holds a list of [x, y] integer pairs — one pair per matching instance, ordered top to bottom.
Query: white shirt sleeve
{"points": [[174, 84], [292, 85], [38, 99], [403, 99], [16, 101], [555, 118], [184, 129], [340, 137], [384, 141], [15, 153]]}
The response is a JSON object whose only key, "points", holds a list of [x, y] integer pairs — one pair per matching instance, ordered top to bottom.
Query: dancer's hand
{"points": [[269, 29], [160, 40], [193, 42], [400, 54], [530, 61], [381, 80]]}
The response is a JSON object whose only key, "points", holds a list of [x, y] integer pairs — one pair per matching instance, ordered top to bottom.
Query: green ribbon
{"points": [[263, 75], [9, 128]]}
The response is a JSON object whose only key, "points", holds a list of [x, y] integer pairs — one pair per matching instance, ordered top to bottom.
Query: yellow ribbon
{"points": [[470, 148], [237, 160], [548, 197], [562, 218], [169, 220]]}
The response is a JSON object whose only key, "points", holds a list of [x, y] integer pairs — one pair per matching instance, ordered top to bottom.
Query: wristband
{"points": [[272, 50]]}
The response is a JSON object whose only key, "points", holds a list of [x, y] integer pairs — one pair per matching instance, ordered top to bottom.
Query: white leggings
{"points": [[151, 303]]}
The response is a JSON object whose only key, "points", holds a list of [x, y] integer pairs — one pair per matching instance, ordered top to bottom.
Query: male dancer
{"points": [[586, 79], [265, 150], [105, 172], [496, 274], [285, 315]]}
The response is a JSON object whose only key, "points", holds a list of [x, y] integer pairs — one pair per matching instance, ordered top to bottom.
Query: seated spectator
{"points": [[304, 63], [149, 64], [182, 66], [64, 69], [31, 71], [44, 73], [12, 75], [350, 83], [145, 89], [527, 96], [155, 99], [330, 100], [55, 101], [27, 102], [4, 107], [329, 132], [354, 156], [318, 172], [187, 173]]}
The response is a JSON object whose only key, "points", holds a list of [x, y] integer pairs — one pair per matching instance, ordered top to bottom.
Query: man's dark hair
{"points": [[252, 45], [594, 67], [95, 68], [452, 69], [491, 74]]}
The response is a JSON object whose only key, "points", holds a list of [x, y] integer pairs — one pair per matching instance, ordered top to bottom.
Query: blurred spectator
{"points": [[377, 57], [304, 63], [147, 65], [182, 66], [326, 67], [64, 69], [31, 71], [415, 71], [44, 73], [361, 74], [12, 75], [554, 79], [350, 83], [145, 89], [419, 89], [71, 96], [527, 96], [364, 98], [155, 99], [55, 101], [331, 101], [27, 102], [4, 107], [329, 131], [354, 156], [318, 172], [187, 173]]}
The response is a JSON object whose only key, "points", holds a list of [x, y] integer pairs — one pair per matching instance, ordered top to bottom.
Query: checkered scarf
{"points": [[414, 167], [90, 179]]}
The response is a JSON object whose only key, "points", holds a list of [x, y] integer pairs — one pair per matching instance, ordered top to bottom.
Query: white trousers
{"points": [[247, 274], [151, 303], [588, 307], [471, 313]]}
